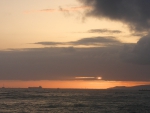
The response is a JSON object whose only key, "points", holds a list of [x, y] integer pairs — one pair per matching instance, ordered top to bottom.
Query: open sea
{"points": [[74, 101]]}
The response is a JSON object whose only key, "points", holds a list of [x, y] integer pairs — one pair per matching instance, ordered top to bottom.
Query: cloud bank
{"points": [[115, 63]]}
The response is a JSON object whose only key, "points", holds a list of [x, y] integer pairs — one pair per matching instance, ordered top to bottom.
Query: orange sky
{"points": [[19, 29], [97, 84]]}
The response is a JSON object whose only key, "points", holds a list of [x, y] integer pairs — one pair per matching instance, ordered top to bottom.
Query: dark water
{"points": [[73, 101]]}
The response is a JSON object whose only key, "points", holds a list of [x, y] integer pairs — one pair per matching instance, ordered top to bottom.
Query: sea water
{"points": [[74, 101]]}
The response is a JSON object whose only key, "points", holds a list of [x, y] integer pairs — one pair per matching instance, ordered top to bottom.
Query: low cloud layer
{"points": [[135, 13], [110, 63]]}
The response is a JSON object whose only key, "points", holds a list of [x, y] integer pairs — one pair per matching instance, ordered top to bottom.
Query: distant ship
{"points": [[40, 87]]}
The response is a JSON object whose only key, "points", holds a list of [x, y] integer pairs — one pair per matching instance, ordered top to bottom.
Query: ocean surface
{"points": [[73, 101]]}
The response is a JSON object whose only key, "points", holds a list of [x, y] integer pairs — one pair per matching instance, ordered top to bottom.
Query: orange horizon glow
{"points": [[74, 84]]}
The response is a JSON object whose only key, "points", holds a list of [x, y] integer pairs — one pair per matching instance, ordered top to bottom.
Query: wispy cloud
{"points": [[73, 8], [60, 9], [47, 10], [39, 11], [104, 31], [93, 41], [96, 41], [49, 43]]}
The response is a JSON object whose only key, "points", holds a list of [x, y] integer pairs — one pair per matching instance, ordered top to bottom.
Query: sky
{"points": [[74, 43]]}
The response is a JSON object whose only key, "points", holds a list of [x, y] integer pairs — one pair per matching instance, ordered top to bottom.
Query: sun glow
{"points": [[84, 77], [96, 78], [99, 78], [79, 84]]}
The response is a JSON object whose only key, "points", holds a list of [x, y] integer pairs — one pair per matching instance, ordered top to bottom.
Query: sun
{"points": [[99, 78]]}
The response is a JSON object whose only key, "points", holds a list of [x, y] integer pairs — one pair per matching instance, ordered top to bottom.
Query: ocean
{"points": [[74, 101]]}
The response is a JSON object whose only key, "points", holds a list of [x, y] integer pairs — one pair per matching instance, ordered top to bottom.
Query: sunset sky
{"points": [[74, 43]]}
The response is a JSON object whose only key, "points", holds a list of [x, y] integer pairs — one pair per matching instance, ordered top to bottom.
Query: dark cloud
{"points": [[135, 13], [104, 31], [86, 42], [140, 53], [68, 63]]}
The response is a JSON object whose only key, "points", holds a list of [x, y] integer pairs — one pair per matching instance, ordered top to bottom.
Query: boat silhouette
{"points": [[40, 87]]}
